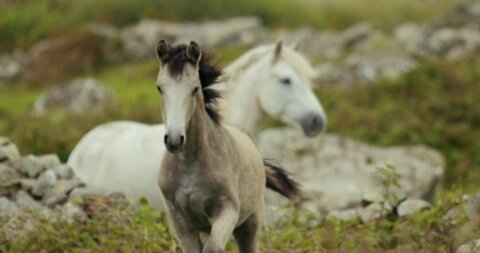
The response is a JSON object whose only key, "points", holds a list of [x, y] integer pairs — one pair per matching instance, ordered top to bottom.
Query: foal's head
{"points": [[183, 81]]}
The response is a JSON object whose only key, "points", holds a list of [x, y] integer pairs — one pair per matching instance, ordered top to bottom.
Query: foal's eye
{"points": [[286, 81], [159, 89], [195, 90]]}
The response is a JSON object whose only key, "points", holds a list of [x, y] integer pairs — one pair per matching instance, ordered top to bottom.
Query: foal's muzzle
{"points": [[312, 124], [174, 142]]}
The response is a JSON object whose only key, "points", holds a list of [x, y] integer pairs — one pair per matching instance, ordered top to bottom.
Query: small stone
{"points": [[356, 34], [10, 68], [79, 96], [9, 152], [48, 161], [34, 165], [30, 166], [63, 171], [8, 176], [46, 181], [28, 184], [66, 186], [80, 192], [53, 199], [24, 200], [7, 206], [411, 206], [472, 208], [374, 211], [72, 213], [344, 215], [470, 247]]}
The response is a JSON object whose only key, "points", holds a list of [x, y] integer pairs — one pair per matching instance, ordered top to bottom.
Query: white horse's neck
{"points": [[241, 106]]}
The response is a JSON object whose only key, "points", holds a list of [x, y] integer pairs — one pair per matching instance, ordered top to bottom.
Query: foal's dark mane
{"points": [[176, 59]]}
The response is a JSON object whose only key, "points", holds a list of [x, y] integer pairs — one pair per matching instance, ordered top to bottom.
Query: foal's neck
{"points": [[200, 132]]}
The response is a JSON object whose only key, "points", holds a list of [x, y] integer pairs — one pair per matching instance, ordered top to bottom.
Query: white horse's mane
{"points": [[293, 58]]}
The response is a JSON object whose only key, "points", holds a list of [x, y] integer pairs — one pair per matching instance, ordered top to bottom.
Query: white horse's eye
{"points": [[286, 81], [195, 90]]}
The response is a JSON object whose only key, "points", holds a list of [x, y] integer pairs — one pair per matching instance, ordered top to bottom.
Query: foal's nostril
{"points": [[165, 139], [182, 140]]}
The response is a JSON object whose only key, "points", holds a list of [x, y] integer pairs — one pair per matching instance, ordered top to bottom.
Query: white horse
{"points": [[125, 156]]}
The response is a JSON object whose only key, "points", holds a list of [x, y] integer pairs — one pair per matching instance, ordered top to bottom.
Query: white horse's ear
{"points": [[161, 50], [278, 51], [193, 52]]}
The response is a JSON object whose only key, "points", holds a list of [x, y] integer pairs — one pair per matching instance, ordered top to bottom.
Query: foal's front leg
{"points": [[223, 225], [187, 236]]}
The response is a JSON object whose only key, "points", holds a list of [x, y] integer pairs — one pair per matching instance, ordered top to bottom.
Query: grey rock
{"points": [[356, 34], [409, 34], [140, 40], [323, 44], [455, 44], [10, 68], [366, 68], [83, 95], [9, 152], [48, 161], [324, 163], [34, 165], [30, 166], [63, 171], [8, 176], [46, 181], [28, 184], [80, 192], [52, 200], [25, 201], [7, 206], [411, 206], [472, 208], [373, 211], [71, 213], [344, 215], [469, 247]]}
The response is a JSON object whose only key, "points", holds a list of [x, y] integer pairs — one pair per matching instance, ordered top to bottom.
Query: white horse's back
{"points": [[122, 157]]}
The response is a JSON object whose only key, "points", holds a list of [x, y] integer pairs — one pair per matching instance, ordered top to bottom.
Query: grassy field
{"points": [[435, 104], [122, 229]]}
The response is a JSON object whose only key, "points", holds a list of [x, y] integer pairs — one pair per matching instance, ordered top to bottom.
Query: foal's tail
{"points": [[279, 180]]}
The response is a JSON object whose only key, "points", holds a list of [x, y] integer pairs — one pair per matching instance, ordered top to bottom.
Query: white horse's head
{"points": [[285, 91]]}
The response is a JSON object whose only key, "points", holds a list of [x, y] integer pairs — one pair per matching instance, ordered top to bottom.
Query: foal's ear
{"points": [[162, 50], [278, 51], [193, 52]]}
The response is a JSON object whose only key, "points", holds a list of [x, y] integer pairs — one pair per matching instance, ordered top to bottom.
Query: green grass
{"points": [[24, 22], [145, 230]]}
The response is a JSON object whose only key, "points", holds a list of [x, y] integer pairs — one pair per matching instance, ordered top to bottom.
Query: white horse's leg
{"points": [[222, 228], [247, 234], [187, 236]]}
